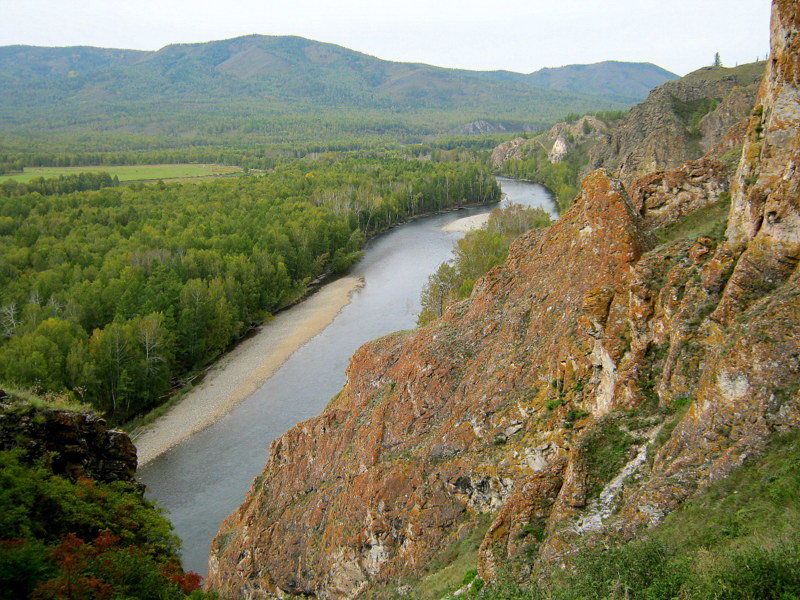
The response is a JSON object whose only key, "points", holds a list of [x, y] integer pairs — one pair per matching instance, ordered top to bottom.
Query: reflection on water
{"points": [[203, 479]]}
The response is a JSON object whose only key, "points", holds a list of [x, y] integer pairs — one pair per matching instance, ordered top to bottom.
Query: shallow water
{"points": [[205, 478]]}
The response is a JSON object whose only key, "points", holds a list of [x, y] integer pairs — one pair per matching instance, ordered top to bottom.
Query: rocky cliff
{"points": [[703, 113], [680, 120], [557, 141], [590, 385], [72, 443]]}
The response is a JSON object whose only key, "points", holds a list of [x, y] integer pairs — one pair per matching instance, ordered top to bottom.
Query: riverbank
{"points": [[468, 224], [244, 369]]}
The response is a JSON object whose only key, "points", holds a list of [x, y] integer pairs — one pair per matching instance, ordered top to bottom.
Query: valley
{"points": [[260, 336], [202, 479]]}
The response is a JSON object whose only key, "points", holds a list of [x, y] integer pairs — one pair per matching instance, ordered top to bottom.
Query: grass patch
{"points": [[744, 74], [731, 158], [129, 172], [709, 221], [20, 396], [679, 408], [573, 416], [605, 451], [739, 540], [454, 567]]}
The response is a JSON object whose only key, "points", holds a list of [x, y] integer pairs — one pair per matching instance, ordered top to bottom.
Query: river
{"points": [[203, 479]]}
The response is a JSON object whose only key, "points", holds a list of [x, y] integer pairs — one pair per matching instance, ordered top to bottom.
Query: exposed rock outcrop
{"points": [[679, 121], [484, 127], [555, 141], [511, 150], [559, 150], [666, 196], [765, 211], [687, 355], [434, 427], [71, 443]]}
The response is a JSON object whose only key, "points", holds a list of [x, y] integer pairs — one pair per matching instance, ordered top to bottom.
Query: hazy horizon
{"points": [[512, 35]]}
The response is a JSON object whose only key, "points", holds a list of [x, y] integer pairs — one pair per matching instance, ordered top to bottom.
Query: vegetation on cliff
{"points": [[681, 120], [72, 525], [738, 540]]}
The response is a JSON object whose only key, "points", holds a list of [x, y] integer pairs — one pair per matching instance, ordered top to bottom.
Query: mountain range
{"points": [[245, 85]]}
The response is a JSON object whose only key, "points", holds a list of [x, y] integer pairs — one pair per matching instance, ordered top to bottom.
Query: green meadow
{"points": [[129, 172]]}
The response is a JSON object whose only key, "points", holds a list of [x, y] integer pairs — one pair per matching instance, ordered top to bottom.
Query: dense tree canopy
{"points": [[110, 295], [65, 539]]}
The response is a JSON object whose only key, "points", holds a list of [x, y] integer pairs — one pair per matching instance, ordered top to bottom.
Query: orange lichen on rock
{"points": [[586, 334]]}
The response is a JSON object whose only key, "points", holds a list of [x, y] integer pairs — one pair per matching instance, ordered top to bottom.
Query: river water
{"points": [[203, 479]]}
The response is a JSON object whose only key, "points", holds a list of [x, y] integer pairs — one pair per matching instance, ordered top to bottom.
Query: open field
{"points": [[130, 172]]}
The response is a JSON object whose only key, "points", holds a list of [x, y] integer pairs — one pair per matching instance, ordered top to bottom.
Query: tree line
{"points": [[63, 184], [111, 296]]}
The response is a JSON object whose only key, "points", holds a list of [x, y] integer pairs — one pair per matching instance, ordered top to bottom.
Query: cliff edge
{"points": [[682, 355]]}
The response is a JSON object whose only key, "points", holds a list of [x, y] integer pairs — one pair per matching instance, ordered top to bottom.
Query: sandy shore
{"points": [[468, 223], [242, 371]]}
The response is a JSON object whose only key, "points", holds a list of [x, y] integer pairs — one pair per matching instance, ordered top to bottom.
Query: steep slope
{"points": [[628, 82], [680, 120], [590, 386], [73, 443], [408, 454], [74, 522]]}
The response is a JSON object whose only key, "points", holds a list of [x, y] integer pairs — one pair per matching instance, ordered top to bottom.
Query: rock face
{"points": [[680, 120], [484, 127], [577, 130], [556, 140], [511, 150], [559, 150], [765, 189], [666, 196], [686, 355], [434, 427], [72, 443]]}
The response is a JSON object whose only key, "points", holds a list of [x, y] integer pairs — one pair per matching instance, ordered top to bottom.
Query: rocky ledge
{"points": [[71, 443]]}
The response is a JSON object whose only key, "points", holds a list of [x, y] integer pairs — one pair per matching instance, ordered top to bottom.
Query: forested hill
{"points": [[627, 82], [255, 86]]}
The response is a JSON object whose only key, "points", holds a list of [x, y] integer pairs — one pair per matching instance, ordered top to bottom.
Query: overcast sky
{"points": [[519, 35]]}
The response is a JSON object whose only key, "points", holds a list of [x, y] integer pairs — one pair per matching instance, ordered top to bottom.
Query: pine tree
{"points": [[717, 60]]}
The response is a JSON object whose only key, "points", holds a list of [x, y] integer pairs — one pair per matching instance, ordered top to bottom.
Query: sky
{"points": [[517, 35]]}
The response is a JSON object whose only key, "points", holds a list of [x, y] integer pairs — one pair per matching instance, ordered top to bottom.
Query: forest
{"points": [[114, 296], [67, 538]]}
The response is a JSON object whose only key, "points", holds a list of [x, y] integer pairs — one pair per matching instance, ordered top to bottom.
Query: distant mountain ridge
{"points": [[611, 78], [187, 89]]}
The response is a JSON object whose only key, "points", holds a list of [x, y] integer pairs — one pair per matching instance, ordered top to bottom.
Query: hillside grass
{"points": [[745, 74], [130, 172], [709, 221], [21, 396], [739, 540], [449, 571]]}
